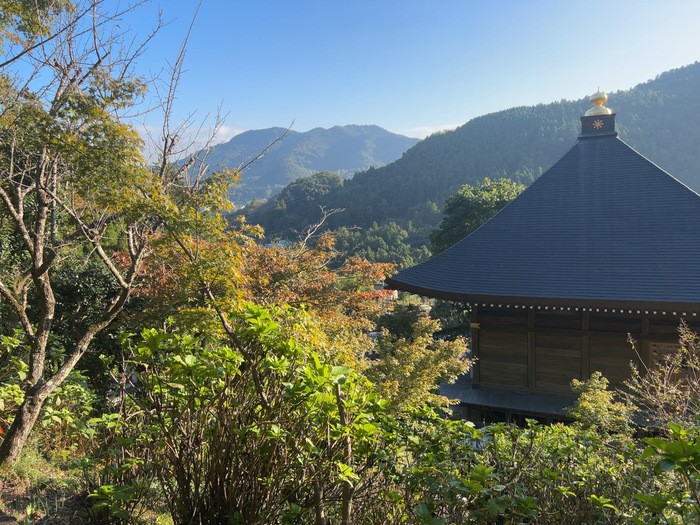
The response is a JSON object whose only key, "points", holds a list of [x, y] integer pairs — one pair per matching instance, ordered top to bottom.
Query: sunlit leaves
{"points": [[21, 21], [471, 207], [408, 369]]}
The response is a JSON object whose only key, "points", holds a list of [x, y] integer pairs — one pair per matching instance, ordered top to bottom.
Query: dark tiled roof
{"points": [[603, 226]]}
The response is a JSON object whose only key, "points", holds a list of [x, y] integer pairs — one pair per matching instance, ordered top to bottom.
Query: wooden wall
{"points": [[541, 351]]}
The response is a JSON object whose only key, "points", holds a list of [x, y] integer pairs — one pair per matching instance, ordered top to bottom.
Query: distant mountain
{"points": [[658, 118], [341, 149]]}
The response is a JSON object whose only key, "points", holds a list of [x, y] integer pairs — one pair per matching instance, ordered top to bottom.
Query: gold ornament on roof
{"points": [[598, 99]]}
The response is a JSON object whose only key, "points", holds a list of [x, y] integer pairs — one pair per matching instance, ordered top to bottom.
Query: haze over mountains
{"points": [[658, 118], [341, 149]]}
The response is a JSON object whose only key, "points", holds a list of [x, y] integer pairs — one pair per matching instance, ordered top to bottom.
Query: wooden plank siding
{"points": [[503, 349], [610, 349], [540, 352], [611, 356], [503, 359], [558, 361]]}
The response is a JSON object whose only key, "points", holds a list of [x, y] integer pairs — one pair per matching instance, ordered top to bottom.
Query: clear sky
{"points": [[411, 66]]}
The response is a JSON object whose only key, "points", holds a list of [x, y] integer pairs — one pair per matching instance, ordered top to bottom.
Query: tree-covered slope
{"points": [[658, 118], [342, 149]]}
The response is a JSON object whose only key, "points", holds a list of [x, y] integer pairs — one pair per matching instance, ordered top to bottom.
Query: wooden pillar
{"points": [[475, 344], [585, 346], [644, 346], [531, 356]]}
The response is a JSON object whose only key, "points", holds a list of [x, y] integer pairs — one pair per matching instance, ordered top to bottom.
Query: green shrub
{"points": [[596, 408], [258, 430]]}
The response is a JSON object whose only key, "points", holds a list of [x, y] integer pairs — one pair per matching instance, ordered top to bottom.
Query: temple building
{"points": [[605, 244]]}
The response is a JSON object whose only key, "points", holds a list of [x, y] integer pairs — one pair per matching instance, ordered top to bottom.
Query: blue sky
{"points": [[412, 67]]}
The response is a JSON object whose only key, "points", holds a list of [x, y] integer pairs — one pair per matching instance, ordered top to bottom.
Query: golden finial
{"points": [[598, 99]]}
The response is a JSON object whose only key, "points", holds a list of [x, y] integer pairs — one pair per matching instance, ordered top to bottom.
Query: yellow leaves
{"points": [[417, 365], [597, 409]]}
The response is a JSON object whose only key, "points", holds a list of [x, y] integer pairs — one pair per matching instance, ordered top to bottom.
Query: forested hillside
{"points": [[658, 118], [342, 149]]}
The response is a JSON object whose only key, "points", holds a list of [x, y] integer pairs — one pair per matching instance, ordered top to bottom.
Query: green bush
{"points": [[597, 408], [257, 430]]}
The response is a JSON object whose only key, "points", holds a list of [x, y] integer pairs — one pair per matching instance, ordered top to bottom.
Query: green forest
{"points": [[656, 118], [161, 362]]}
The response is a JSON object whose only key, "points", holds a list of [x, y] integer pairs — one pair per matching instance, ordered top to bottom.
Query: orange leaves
{"points": [[369, 272], [299, 274], [292, 275], [192, 279]]}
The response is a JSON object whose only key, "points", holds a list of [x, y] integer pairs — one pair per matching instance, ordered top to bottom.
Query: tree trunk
{"points": [[35, 396], [25, 418], [318, 503]]}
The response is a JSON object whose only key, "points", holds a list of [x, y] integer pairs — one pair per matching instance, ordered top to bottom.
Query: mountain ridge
{"points": [[292, 154]]}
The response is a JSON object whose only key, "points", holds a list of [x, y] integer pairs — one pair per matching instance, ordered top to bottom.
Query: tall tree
{"points": [[74, 184], [471, 207]]}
